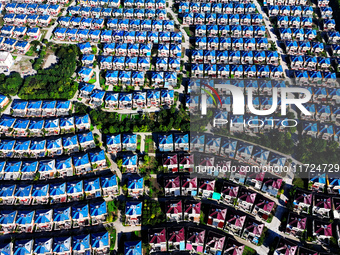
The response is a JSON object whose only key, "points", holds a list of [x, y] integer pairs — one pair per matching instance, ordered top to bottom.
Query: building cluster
{"points": [[127, 101], [65, 195], [60, 218], [77, 244]]}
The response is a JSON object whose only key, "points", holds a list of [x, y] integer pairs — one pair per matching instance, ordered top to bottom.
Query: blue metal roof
{"points": [[63, 104], [82, 119], [7, 121], [67, 122], [21, 123], [51, 123], [85, 137], [54, 144], [38, 145], [97, 156], [81, 160], [62, 164], [29, 166], [13, 167], [107, 182], [135, 183], [92, 185], [74, 187], [57, 189], [7, 190], [40, 190], [133, 208], [98, 209], [80, 211], [62, 214], [43, 216], [7, 217], [25, 217], [100, 240], [81, 243], [62, 244], [43, 246], [23, 247], [133, 248]]}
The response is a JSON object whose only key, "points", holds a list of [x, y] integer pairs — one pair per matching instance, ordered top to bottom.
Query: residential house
{"points": [[135, 187], [206, 188], [40, 194], [246, 200], [302, 201], [322, 206], [263, 207], [174, 211], [192, 211], [98, 213], [133, 213], [80, 216], [217, 216], [43, 220], [25, 221], [296, 225], [253, 230], [322, 231], [157, 240], [195, 240], [214, 243]]}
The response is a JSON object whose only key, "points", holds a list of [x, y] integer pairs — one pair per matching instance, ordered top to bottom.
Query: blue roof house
{"points": [[86, 141], [129, 142], [165, 142], [113, 143], [54, 147], [98, 160], [130, 163], [82, 164], [12, 170], [28, 170], [109, 185], [135, 187], [92, 188], [74, 190], [58, 193], [40, 194], [98, 212], [133, 213], [80, 215], [62, 218], [43, 220], [7, 221], [25, 221], [100, 242], [81, 244], [62, 245], [43, 246], [23, 247]]}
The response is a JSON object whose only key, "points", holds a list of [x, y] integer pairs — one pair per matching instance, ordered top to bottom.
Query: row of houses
{"points": [[288, 2], [110, 3], [159, 4], [217, 7], [25, 8], [287, 10], [85, 11], [23, 19], [221, 19], [228, 19], [294, 21], [120, 24], [225, 31], [19, 32], [297, 33], [119, 36], [10, 45], [303, 47], [237, 56], [143, 64], [236, 71], [318, 78], [158, 79], [263, 86], [111, 100], [41, 108], [322, 112], [38, 127], [326, 131], [49, 147], [232, 148], [53, 168], [319, 182], [186, 185], [59, 192], [49, 219], [230, 220], [194, 239], [99, 243], [287, 246]]}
